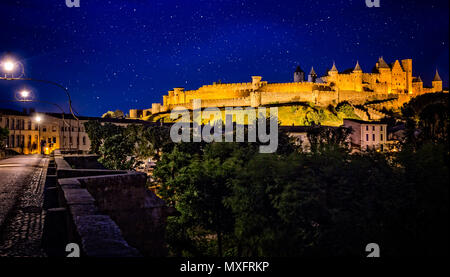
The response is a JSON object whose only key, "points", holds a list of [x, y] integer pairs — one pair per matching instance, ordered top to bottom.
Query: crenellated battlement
{"points": [[354, 86]]}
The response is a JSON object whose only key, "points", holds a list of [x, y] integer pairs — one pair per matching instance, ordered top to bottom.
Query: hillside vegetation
{"points": [[300, 114]]}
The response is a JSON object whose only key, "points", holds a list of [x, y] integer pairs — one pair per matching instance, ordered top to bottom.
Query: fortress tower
{"points": [[407, 67], [385, 73], [333, 74], [357, 74], [299, 75], [312, 76], [437, 82], [417, 85]]}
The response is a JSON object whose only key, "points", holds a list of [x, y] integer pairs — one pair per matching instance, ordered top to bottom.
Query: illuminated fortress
{"points": [[390, 83]]}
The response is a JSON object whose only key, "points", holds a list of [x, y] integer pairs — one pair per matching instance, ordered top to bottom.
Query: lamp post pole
{"points": [[9, 66], [39, 138]]}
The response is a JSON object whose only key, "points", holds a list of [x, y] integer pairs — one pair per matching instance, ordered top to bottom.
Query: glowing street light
{"points": [[9, 66], [10, 69], [24, 93], [38, 119]]}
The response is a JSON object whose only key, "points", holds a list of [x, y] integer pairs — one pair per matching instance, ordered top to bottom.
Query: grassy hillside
{"points": [[294, 114]]}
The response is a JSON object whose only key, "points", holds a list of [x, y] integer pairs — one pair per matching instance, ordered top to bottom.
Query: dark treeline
{"points": [[234, 201]]}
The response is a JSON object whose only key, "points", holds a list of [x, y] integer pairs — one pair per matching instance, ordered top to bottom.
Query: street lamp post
{"points": [[10, 67], [38, 120]]}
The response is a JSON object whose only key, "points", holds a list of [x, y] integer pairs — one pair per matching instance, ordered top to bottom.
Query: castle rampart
{"points": [[385, 82]]}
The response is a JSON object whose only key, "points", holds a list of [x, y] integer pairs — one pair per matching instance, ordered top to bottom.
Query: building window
{"points": [[12, 124], [29, 124], [367, 127], [44, 128], [54, 128], [373, 128], [381, 128], [367, 137], [373, 137], [381, 137], [54, 139], [84, 140], [13, 144]]}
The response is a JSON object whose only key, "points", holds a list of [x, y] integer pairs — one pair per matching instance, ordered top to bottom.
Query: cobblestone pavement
{"points": [[22, 181]]}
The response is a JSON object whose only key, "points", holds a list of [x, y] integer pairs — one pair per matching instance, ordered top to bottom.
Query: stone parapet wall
{"points": [[108, 213]]}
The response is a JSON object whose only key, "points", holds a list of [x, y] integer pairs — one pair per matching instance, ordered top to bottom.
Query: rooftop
{"points": [[364, 121]]}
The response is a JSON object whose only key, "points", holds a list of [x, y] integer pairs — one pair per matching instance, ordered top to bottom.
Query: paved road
{"points": [[21, 197]]}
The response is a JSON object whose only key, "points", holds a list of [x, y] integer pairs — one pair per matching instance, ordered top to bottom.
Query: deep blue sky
{"points": [[121, 54]]}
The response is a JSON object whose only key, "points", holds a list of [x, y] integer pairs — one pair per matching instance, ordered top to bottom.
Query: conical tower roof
{"points": [[382, 63], [357, 67], [333, 69], [299, 70], [312, 72], [437, 77], [418, 79]]}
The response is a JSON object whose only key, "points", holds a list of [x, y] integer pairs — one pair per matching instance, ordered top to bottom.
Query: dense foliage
{"points": [[123, 147], [234, 201]]}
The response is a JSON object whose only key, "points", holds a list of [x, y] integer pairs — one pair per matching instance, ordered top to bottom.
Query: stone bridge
{"points": [[107, 213]]}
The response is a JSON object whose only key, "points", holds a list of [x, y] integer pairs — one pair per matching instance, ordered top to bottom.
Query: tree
{"points": [[93, 129], [322, 138], [115, 153]]}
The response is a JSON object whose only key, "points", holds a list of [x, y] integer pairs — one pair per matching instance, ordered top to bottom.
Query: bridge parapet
{"points": [[109, 213]]}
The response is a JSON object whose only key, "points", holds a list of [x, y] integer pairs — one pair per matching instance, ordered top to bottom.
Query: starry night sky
{"points": [[123, 54]]}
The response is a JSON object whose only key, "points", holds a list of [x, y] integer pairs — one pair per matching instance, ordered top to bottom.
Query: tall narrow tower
{"points": [[407, 67], [357, 74], [299, 75], [312, 76], [437, 82]]}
